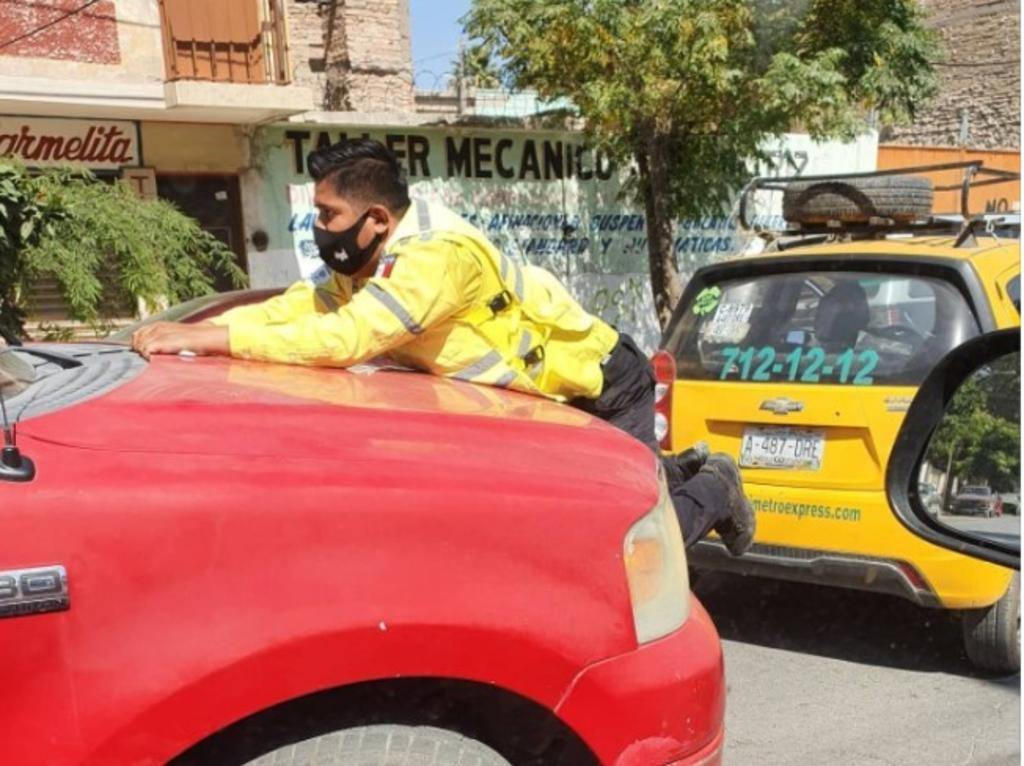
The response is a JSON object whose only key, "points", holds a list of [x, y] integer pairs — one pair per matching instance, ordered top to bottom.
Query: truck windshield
{"points": [[45, 377]]}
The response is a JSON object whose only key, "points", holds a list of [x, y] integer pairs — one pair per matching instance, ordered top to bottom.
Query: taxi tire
{"points": [[901, 198], [992, 634], [384, 745]]}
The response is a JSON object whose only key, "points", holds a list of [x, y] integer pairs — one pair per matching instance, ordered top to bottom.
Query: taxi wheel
{"points": [[992, 634], [384, 746]]}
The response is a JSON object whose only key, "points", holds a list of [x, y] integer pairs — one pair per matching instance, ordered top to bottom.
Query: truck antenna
{"points": [[13, 465]]}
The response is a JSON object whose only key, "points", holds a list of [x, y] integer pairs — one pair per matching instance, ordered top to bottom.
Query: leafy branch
{"points": [[104, 247]]}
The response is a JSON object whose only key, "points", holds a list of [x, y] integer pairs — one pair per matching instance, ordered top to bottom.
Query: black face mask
{"points": [[338, 249]]}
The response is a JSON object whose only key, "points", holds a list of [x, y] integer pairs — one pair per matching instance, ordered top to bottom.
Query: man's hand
{"points": [[172, 337]]}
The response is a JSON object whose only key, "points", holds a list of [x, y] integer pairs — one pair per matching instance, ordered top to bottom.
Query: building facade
{"points": [[168, 96], [214, 106], [975, 116]]}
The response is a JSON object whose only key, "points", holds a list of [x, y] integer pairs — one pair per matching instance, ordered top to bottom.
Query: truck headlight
{"points": [[655, 559]]}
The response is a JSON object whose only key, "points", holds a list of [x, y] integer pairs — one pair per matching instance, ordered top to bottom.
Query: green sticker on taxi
{"points": [[707, 301]]}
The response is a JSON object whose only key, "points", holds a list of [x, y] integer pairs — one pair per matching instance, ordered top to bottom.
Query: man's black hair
{"points": [[362, 169]]}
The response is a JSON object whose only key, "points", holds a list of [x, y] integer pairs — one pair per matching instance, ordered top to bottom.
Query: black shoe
{"points": [[688, 462], [737, 525]]}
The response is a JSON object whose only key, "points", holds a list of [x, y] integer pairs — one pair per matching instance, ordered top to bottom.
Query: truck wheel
{"points": [[902, 198], [992, 634], [384, 746]]}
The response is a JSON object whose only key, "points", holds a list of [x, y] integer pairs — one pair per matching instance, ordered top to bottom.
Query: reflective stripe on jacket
{"points": [[444, 300]]}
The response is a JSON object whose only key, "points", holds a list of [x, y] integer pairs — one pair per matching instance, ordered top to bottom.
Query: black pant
{"points": [[627, 402]]}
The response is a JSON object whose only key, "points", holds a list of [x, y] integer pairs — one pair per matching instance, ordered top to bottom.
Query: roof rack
{"points": [[975, 175]]}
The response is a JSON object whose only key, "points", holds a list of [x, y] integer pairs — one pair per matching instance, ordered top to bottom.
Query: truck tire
{"points": [[855, 200], [992, 634], [384, 746]]}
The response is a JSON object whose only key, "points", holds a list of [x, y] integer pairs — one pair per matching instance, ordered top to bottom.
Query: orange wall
{"points": [[1002, 197]]}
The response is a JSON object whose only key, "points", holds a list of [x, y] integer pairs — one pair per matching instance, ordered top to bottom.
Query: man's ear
{"points": [[381, 218]]}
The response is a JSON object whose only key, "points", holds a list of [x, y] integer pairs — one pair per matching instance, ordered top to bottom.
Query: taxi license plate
{"points": [[796, 449]]}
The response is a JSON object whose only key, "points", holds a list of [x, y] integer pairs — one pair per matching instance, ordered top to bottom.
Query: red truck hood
{"points": [[217, 406]]}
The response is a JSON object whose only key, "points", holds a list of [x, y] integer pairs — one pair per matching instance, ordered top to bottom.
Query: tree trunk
{"points": [[654, 186], [947, 490]]}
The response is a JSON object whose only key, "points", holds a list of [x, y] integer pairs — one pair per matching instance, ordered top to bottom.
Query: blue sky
{"points": [[435, 30]]}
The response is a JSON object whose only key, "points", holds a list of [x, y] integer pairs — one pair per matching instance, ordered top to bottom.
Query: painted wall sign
{"points": [[42, 142], [476, 157], [542, 196]]}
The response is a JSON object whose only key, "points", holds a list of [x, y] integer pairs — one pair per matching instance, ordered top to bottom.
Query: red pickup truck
{"points": [[217, 561]]}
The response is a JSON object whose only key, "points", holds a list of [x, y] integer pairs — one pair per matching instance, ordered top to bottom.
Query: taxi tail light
{"points": [[664, 365]]}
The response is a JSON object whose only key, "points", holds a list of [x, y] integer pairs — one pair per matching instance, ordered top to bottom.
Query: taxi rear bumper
{"points": [[818, 567]]}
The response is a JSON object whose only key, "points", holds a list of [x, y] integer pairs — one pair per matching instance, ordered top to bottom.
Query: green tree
{"points": [[686, 92], [104, 246], [978, 438], [956, 439], [996, 459]]}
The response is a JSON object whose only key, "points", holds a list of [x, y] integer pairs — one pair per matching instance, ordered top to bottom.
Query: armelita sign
{"points": [[96, 144]]}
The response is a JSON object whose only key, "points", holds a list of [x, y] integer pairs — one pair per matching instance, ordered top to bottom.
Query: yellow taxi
{"points": [[801, 364]]}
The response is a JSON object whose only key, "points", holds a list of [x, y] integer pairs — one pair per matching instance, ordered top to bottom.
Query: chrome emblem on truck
{"points": [[782, 406], [33, 591]]}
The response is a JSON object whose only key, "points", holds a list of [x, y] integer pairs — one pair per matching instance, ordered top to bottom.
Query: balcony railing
{"points": [[235, 41]]}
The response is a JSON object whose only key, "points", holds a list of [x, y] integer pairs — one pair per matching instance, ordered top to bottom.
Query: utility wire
{"points": [[47, 25], [435, 56]]}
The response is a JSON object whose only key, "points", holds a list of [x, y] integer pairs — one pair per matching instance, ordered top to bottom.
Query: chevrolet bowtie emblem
{"points": [[782, 406]]}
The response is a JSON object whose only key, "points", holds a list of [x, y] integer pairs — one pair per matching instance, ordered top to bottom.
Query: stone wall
{"points": [[306, 25], [362, 46], [978, 103]]}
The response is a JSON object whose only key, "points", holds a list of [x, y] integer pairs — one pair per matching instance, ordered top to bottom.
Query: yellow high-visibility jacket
{"points": [[443, 300]]}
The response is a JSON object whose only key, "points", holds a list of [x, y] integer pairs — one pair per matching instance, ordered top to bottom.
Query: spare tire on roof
{"points": [[855, 200]]}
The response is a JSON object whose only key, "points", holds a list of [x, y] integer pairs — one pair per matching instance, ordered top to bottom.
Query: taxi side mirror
{"points": [[954, 473]]}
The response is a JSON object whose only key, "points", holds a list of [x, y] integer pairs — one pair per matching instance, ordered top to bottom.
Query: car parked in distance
{"points": [[977, 500], [1011, 503]]}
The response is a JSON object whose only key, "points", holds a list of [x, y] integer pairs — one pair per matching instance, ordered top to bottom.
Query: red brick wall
{"points": [[89, 36]]}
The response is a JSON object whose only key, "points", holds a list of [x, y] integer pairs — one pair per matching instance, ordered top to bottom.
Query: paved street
{"points": [[1005, 528], [825, 676]]}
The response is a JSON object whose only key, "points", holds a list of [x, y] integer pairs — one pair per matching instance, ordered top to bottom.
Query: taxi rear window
{"points": [[1013, 290], [826, 328]]}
